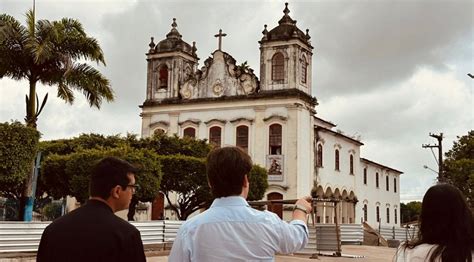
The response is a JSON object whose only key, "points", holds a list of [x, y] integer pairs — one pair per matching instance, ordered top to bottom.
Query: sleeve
{"points": [[293, 236], [180, 251], [43, 252]]}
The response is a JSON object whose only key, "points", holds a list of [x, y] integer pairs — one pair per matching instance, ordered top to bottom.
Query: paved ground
{"points": [[370, 253]]}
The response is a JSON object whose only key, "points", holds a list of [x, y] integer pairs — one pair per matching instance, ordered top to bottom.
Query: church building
{"points": [[273, 117]]}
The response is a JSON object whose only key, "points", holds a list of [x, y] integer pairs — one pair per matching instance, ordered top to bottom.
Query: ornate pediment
{"points": [[220, 76]]}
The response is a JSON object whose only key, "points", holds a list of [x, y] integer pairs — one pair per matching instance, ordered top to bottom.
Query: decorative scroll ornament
{"points": [[218, 88]]}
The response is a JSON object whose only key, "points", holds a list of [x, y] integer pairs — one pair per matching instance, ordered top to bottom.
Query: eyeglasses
{"points": [[135, 187]]}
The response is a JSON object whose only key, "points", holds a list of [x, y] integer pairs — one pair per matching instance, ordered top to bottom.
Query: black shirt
{"points": [[91, 233]]}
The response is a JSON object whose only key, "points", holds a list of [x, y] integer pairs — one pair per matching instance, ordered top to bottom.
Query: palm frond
{"points": [[13, 56], [91, 82], [65, 93]]}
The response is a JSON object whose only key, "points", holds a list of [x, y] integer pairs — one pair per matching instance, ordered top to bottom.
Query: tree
{"points": [[48, 52], [17, 152], [459, 166], [70, 174], [258, 180], [188, 182], [410, 212]]}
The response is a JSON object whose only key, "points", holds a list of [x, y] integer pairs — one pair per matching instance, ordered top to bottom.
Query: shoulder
{"points": [[415, 254]]}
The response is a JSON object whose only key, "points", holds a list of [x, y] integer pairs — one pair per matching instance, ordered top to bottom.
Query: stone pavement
{"points": [[370, 253]]}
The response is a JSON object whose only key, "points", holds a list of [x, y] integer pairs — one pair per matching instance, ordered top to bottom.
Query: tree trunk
{"points": [[30, 120], [132, 208]]}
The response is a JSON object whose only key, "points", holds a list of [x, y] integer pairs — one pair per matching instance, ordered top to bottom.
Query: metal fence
{"points": [[398, 233], [25, 236]]}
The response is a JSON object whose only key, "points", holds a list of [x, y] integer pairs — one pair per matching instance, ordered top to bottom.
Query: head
{"points": [[227, 170], [113, 180], [446, 220]]}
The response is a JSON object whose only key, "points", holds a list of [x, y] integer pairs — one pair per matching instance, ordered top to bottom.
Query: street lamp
{"points": [[429, 168]]}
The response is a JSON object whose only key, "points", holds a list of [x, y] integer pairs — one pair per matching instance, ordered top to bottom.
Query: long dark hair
{"points": [[446, 221]]}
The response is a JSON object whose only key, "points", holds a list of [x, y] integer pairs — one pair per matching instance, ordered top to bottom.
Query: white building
{"points": [[273, 117]]}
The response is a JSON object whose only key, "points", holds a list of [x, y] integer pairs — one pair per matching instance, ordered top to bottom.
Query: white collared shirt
{"points": [[230, 230]]}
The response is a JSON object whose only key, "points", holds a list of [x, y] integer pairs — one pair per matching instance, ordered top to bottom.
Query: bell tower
{"points": [[285, 57], [170, 63]]}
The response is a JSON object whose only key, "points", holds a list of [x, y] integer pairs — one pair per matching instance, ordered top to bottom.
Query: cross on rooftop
{"points": [[220, 35]]}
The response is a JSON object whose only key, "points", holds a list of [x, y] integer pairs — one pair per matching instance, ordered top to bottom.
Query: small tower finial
{"points": [[286, 11], [174, 24], [152, 44]]}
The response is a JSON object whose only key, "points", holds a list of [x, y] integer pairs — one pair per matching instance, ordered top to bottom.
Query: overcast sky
{"points": [[389, 71]]}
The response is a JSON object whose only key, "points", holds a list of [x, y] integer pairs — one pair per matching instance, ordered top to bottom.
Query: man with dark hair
{"points": [[230, 230], [92, 232]]}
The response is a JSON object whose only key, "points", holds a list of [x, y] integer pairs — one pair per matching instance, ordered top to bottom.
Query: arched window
{"points": [[278, 63], [304, 67], [163, 78], [159, 132], [189, 132], [215, 136], [242, 138], [275, 139], [320, 156], [336, 159], [351, 164], [365, 176], [377, 180], [387, 186], [395, 186], [365, 212], [378, 213], [388, 215], [396, 220]]}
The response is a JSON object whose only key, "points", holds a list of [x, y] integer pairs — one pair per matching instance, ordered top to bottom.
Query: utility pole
{"points": [[440, 154]]}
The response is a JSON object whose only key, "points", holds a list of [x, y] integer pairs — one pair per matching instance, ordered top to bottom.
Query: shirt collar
{"points": [[229, 201]]}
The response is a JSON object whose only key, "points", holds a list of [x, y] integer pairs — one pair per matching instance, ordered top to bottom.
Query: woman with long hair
{"points": [[446, 228]]}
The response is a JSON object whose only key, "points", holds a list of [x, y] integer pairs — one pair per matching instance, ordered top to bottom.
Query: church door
{"points": [[158, 208], [275, 208]]}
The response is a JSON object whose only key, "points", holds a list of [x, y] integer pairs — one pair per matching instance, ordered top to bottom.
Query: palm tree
{"points": [[49, 52]]}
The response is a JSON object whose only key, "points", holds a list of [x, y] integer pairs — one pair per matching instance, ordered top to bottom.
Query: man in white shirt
{"points": [[230, 230]]}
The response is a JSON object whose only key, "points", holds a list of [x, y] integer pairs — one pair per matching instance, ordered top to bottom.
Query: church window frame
{"points": [[278, 67], [304, 70], [163, 77], [189, 123], [159, 127], [187, 130], [159, 131], [215, 135], [242, 135], [275, 139], [319, 159], [336, 160], [351, 164], [365, 175], [377, 179], [387, 183], [395, 185], [365, 212], [377, 213], [388, 215], [395, 215]]}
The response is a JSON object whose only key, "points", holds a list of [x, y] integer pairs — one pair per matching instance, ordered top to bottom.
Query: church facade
{"points": [[272, 117]]}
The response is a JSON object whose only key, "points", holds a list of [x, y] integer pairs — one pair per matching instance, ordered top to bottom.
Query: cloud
{"points": [[390, 71]]}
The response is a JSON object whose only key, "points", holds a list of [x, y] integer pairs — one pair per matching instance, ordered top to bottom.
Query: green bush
{"points": [[18, 149], [70, 174], [258, 180]]}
